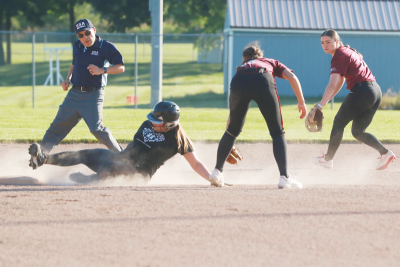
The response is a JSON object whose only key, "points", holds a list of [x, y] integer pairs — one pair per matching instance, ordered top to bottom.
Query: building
{"points": [[289, 31]]}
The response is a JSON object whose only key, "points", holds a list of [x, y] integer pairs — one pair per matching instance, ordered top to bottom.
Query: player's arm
{"points": [[118, 68], [336, 82], [65, 84], [296, 86], [197, 165]]}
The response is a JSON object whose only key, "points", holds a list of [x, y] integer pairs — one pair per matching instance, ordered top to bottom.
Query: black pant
{"points": [[250, 85], [360, 107], [102, 161]]}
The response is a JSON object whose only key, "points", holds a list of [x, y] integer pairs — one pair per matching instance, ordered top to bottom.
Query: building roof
{"points": [[350, 15]]}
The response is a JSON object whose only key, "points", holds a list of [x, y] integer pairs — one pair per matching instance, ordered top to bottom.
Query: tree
{"points": [[61, 7], [11, 8], [125, 14], [206, 16], [2, 60]]}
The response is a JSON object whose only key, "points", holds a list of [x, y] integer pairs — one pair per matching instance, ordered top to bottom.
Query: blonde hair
{"points": [[335, 36], [252, 51], [183, 141]]}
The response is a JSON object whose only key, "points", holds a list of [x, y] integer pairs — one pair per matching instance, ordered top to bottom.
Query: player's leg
{"points": [[267, 99], [358, 101], [239, 102], [91, 111], [67, 117], [360, 125]]}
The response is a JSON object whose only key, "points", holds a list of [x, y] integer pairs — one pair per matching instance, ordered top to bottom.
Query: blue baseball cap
{"points": [[83, 25]]}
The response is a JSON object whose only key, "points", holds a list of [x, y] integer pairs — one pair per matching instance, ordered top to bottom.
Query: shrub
{"points": [[390, 100]]}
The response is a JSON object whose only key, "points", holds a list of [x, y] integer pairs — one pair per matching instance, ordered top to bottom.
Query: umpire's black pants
{"points": [[249, 84], [359, 106]]}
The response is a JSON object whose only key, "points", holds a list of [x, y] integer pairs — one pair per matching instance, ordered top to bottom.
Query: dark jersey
{"points": [[102, 53], [349, 64], [273, 66], [150, 149]]}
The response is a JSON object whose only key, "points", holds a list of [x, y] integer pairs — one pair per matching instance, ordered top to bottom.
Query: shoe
{"points": [[38, 158], [385, 159], [320, 160], [81, 178], [216, 178], [290, 182]]}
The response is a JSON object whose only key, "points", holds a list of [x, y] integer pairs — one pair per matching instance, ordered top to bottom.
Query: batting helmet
{"points": [[165, 112]]}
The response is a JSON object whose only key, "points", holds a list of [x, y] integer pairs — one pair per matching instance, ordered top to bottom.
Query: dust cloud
{"points": [[354, 164]]}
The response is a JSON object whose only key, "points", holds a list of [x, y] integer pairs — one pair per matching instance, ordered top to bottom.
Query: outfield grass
{"points": [[197, 88], [202, 124]]}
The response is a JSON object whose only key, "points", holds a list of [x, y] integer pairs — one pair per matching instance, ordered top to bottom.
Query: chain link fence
{"points": [[39, 61]]}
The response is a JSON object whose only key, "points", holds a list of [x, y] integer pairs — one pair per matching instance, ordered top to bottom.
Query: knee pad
{"points": [[233, 131]]}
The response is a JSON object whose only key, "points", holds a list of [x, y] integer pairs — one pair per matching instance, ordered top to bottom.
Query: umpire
{"points": [[93, 59]]}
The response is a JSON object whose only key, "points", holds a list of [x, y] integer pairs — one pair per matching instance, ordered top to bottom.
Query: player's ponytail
{"points": [[335, 36], [348, 46], [252, 51], [183, 141]]}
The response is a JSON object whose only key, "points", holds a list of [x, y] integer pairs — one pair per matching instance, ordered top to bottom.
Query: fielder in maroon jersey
{"points": [[255, 80], [359, 106]]}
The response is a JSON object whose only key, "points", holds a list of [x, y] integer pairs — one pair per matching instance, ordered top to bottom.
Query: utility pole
{"points": [[156, 9]]}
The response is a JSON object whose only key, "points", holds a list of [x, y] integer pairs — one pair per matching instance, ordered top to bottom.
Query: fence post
{"points": [[230, 64], [33, 70], [136, 70], [332, 100]]}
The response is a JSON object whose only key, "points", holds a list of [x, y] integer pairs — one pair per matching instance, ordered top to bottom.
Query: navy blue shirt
{"points": [[102, 53]]}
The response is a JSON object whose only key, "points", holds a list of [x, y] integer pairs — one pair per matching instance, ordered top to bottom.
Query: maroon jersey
{"points": [[349, 64], [273, 66]]}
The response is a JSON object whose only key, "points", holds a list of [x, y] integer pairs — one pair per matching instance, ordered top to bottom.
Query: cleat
{"points": [[38, 158], [385, 159], [320, 160], [217, 178], [290, 182]]}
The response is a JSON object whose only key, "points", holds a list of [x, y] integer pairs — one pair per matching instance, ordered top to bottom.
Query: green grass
{"points": [[197, 88], [201, 124]]}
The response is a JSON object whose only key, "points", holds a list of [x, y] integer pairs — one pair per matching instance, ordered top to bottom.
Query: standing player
{"points": [[92, 57], [255, 80], [359, 106], [158, 139]]}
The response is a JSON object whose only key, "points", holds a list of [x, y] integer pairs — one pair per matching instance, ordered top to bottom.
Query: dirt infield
{"points": [[347, 216]]}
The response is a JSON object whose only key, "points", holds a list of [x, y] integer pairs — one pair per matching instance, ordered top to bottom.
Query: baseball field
{"points": [[345, 216]]}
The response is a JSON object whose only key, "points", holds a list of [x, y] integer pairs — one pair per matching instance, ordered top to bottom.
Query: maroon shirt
{"points": [[349, 64], [273, 66]]}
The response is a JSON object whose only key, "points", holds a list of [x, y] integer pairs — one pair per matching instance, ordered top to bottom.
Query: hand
{"points": [[94, 70], [65, 84], [302, 109]]}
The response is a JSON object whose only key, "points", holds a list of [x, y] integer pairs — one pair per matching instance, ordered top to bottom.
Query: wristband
{"points": [[320, 106]]}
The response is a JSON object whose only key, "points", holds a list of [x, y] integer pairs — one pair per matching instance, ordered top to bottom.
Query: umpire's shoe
{"points": [[38, 158]]}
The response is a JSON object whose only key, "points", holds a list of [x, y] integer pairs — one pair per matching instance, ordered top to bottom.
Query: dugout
{"points": [[289, 31]]}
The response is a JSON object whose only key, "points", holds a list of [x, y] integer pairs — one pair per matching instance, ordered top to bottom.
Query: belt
{"points": [[252, 70], [364, 83], [85, 89]]}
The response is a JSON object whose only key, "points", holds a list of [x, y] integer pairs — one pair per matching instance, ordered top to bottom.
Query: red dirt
{"points": [[347, 216]]}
